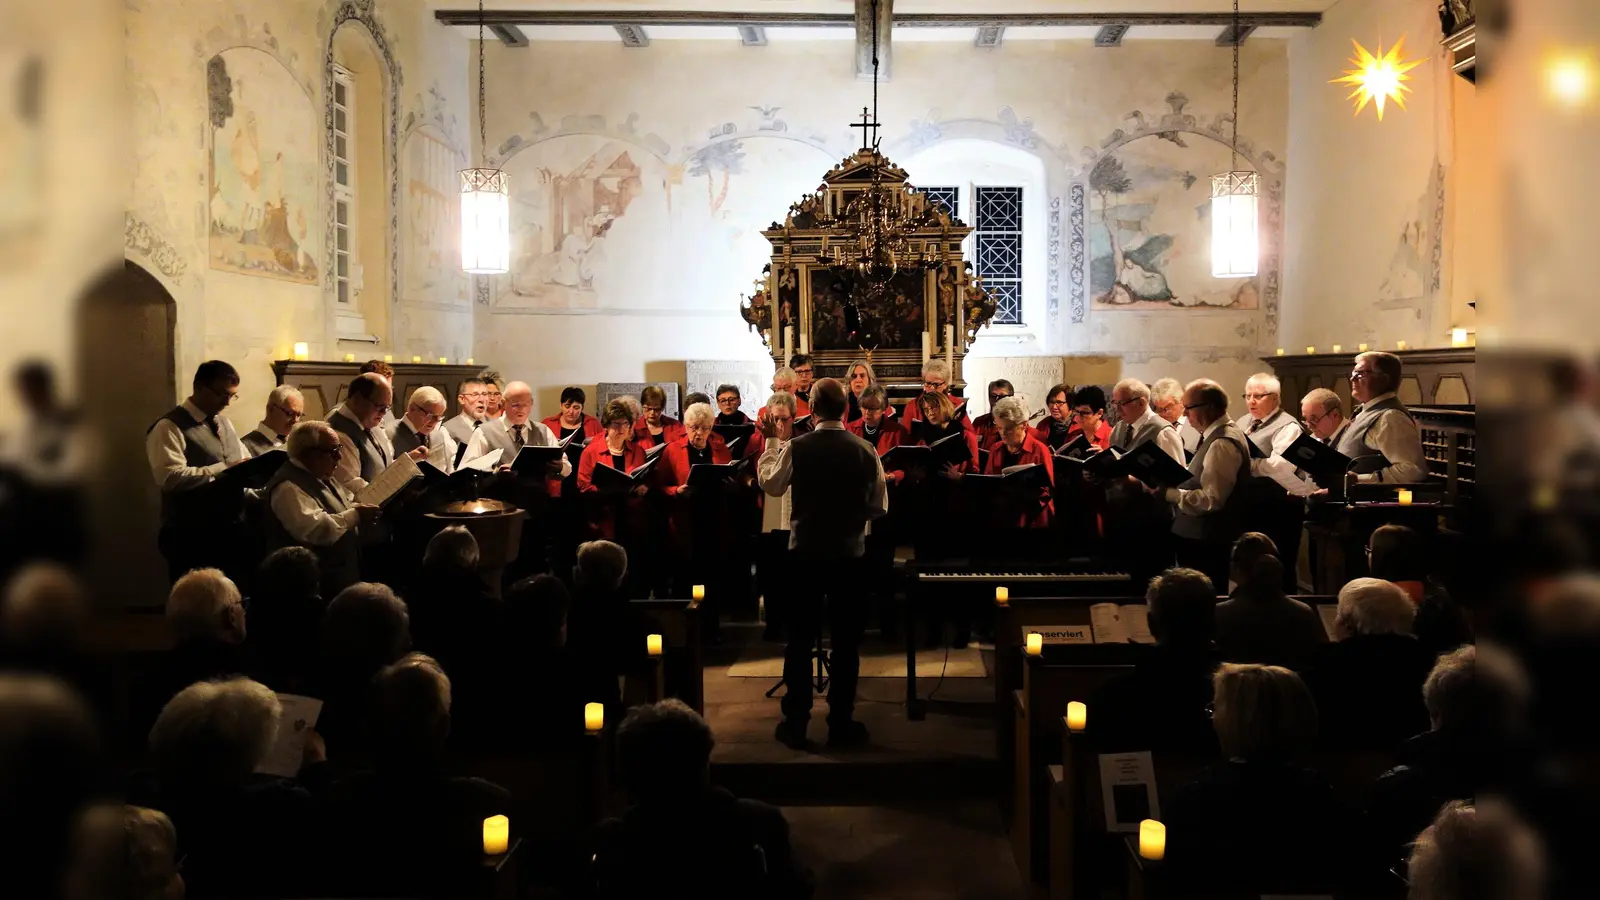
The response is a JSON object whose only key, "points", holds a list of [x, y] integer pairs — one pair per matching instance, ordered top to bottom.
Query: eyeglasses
{"points": [[805, 371], [1359, 375], [934, 385], [475, 394], [229, 396], [1258, 396], [996, 398], [726, 400], [1057, 403], [1121, 403], [1196, 406], [654, 408], [865, 408], [1085, 413], [293, 416], [426, 416], [1313, 421], [331, 451]]}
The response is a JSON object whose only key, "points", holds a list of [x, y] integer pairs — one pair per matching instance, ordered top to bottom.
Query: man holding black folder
{"points": [[307, 508], [1206, 519]]}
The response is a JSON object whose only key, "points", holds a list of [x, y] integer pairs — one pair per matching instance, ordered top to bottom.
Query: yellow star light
{"points": [[1379, 78]]}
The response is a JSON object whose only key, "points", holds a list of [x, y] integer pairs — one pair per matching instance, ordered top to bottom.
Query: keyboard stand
{"points": [[824, 671]]}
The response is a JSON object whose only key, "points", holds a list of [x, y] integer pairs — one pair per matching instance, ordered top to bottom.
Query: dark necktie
{"points": [[475, 424], [1255, 426], [216, 429], [516, 436], [281, 438], [376, 445]]}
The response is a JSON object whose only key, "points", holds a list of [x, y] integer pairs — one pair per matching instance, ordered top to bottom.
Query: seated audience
{"points": [[1399, 554], [600, 603], [285, 611], [454, 614], [44, 618], [207, 618], [1258, 623], [364, 629], [1564, 641], [1368, 681], [1477, 701], [1162, 704], [51, 769], [1257, 821], [405, 826], [241, 834], [680, 835], [1481, 852], [125, 853]]}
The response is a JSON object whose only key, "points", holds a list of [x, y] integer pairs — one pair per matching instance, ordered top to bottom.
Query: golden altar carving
{"points": [[868, 266]]}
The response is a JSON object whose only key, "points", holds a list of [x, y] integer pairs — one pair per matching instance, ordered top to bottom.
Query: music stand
{"points": [[824, 671]]}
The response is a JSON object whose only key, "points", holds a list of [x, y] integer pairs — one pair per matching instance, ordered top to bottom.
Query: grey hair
{"points": [[1386, 364], [938, 367], [850, 370], [784, 374], [1266, 381], [1134, 388], [1166, 389], [281, 394], [427, 395], [783, 400], [1328, 400], [633, 404], [1010, 411], [699, 414], [306, 437], [454, 545], [601, 564], [196, 603], [44, 604], [1373, 606], [1475, 688], [410, 707], [215, 732], [1481, 851], [126, 852]]}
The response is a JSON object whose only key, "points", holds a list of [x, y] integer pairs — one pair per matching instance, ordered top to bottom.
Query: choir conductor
{"points": [[837, 488]]}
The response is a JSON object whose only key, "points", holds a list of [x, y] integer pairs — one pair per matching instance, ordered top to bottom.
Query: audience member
{"points": [[1399, 554], [600, 604], [286, 610], [44, 617], [207, 617], [455, 617], [1258, 623], [364, 629], [1564, 643], [1368, 681], [1477, 701], [1162, 703], [1258, 822], [405, 825], [242, 834], [680, 835], [1481, 852], [125, 853]]}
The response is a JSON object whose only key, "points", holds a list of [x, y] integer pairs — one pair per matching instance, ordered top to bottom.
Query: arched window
{"points": [[359, 120]]}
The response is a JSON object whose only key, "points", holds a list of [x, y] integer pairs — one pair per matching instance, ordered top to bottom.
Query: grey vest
{"points": [[1271, 425], [460, 428], [1148, 429], [405, 440], [257, 443], [1353, 443], [200, 448], [372, 455], [830, 489], [1220, 525], [341, 562]]}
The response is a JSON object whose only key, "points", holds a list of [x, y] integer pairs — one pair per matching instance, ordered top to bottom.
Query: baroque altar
{"points": [[868, 267]]}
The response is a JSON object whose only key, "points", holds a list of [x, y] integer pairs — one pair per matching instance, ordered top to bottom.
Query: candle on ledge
{"points": [[1458, 337], [1399, 345], [1362, 347], [1338, 348], [302, 350], [1280, 351], [1310, 351], [349, 357], [388, 357], [416, 359], [444, 360], [469, 360], [1404, 495], [698, 592], [1002, 596], [1035, 643], [652, 644], [1077, 715], [594, 717], [496, 835], [1152, 839]]}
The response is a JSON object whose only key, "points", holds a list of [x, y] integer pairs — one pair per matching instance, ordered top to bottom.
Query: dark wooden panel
{"points": [[1443, 377], [325, 383]]}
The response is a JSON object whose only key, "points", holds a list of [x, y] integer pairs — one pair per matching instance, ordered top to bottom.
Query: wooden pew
{"points": [[682, 666], [1060, 674]]}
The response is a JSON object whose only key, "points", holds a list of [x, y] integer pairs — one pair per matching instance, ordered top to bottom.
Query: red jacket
{"points": [[913, 412], [590, 425], [671, 430], [988, 432], [890, 436], [1101, 437], [1033, 451], [671, 473], [600, 516]]}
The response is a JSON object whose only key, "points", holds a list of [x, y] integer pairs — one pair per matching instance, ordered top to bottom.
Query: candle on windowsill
{"points": [[1458, 337], [926, 350], [302, 351], [1280, 351], [349, 357], [443, 360], [469, 360], [1404, 495], [698, 592], [1002, 596], [1035, 643], [652, 644], [1077, 715], [594, 717], [496, 835], [1152, 839]]}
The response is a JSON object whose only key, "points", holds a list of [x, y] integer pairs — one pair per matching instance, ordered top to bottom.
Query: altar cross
{"points": [[867, 122]]}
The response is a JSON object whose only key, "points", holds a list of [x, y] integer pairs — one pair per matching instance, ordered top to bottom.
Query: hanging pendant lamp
{"points": [[485, 199], [1235, 226]]}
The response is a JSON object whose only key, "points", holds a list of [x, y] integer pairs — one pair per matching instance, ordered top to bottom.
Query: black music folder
{"points": [[802, 425], [732, 434], [1077, 448], [952, 449], [1256, 450], [908, 456], [532, 459], [1151, 465], [1325, 465], [252, 473], [715, 473], [1028, 475], [610, 481]]}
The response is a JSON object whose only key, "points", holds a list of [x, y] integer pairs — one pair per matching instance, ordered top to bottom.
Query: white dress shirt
{"points": [[269, 434], [1188, 435], [1168, 438], [1400, 442], [479, 445], [163, 448], [776, 467], [1216, 480], [305, 519]]}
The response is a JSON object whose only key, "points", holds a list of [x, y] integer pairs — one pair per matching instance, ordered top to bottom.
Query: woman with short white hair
{"points": [[936, 379], [783, 382], [1019, 447], [701, 519], [1368, 680]]}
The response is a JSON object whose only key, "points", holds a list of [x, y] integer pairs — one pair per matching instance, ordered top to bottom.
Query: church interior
{"points": [[1017, 449]]}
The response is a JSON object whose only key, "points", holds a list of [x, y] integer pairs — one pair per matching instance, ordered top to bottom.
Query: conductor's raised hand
{"points": [[767, 425]]}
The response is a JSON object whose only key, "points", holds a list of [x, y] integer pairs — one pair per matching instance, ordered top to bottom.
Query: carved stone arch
{"points": [[363, 12]]}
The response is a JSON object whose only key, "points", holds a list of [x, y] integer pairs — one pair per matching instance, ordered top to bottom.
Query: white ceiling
{"points": [[900, 6], [902, 35]]}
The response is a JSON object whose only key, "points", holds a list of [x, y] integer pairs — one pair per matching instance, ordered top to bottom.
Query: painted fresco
{"points": [[263, 210], [431, 256]]}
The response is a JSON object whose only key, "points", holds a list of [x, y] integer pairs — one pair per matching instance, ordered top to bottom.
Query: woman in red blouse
{"points": [[1089, 416], [573, 418], [655, 427], [877, 429], [1054, 430], [1018, 447], [619, 452], [700, 521]]}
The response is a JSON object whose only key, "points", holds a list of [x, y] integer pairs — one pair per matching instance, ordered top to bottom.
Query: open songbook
{"points": [[802, 425], [734, 434], [1078, 448], [654, 451], [532, 459], [485, 463], [1151, 465], [253, 473], [714, 473], [1027, 475], [608, 480], [389, 483], [1121, 624], [287, 752]]}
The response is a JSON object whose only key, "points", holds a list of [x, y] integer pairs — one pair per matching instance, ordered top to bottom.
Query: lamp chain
{"points": [[483, 127], [1234, 145]]}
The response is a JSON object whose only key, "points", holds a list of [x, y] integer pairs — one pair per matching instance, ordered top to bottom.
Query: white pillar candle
{"points": [[1458, 337], [805, 343], [788, 344], [1399, 345], [1361, 347], [950, 348], [1338, 348], [302, 350], [1280, 351], [1310, 351], [349, 357], [388, 357], [416, 359], [469, 360], [443, 361], [1404, 495], [698, 592], [1002, 595], [1035, 643], [652, 644], [1077, 715], [594, 716], [496, 835], [1152, 839]]}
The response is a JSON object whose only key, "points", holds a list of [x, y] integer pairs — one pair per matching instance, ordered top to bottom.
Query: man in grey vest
{"points": [[470, 397], [285, 407], [1382, 426], [419, 427], [515, 431], [187, 449], [364, 449], [836, 488], [1269, 507], [308, 509], [1206, 515], [1138, 527]]}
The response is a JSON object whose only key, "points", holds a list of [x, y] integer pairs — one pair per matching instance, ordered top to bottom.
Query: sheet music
{"points": [[440, 457], [486, 462], [389, 482], [1136, 619], [1106, 620], [299, 713], [1128, 790]]}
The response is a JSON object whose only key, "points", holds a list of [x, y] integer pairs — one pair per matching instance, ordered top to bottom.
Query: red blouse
{"points": [[1033, 451]]}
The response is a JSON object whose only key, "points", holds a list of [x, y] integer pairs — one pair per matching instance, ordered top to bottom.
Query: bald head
{"points": [[369, 398], [828, 399], [518, 400]]}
